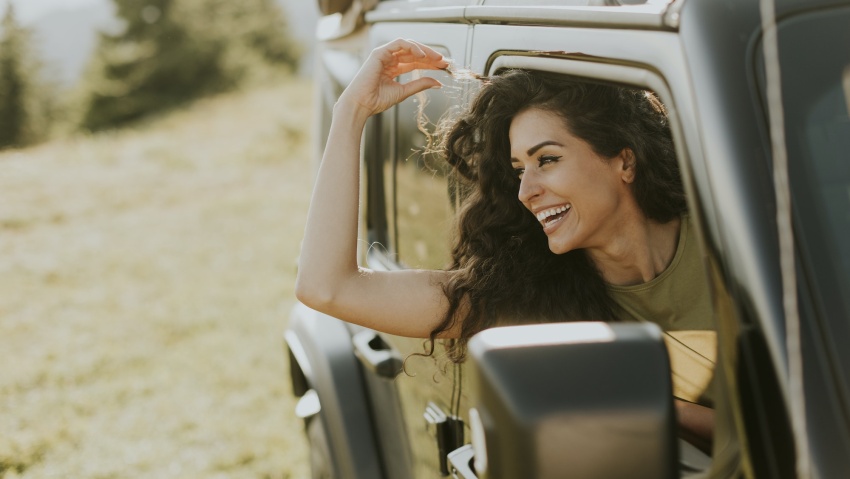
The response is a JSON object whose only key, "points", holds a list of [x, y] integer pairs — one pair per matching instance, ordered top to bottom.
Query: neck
{"points": [[639, 252]]}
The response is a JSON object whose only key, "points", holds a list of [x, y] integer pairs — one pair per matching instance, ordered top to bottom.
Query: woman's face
{"points": [[578, 197]]}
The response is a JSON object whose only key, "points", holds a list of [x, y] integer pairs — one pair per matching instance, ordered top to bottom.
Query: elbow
{"points": [[314, 295]]}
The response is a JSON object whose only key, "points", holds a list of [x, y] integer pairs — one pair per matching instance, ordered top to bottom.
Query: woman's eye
{"points": [[546, 159], [519, 172]]}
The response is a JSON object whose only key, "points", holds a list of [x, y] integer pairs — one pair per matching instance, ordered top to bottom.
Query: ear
{"points": [[628, 164]]}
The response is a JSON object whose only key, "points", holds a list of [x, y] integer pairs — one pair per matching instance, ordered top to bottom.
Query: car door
{"points": [[410, 205]]}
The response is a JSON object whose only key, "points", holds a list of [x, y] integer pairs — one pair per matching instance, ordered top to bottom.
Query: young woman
{"points": [[577, 212]]}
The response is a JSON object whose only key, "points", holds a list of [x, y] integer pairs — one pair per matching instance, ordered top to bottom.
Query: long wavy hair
{"points": [[502, 269]]}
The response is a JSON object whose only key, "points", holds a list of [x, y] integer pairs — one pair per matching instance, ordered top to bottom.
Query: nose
{"points": [[529, 188]]}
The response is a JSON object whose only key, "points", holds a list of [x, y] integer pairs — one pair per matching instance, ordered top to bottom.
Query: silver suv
{"points": [[535, 402]]}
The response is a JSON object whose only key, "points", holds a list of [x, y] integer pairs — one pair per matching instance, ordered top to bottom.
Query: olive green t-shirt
{"points": [[679, 301]]}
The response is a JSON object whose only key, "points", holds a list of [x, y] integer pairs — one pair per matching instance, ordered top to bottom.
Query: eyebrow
{"points": [[538, 146]]}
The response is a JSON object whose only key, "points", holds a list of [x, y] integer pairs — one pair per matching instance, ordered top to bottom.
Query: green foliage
{"points": [[252, 27], [173, 51], [13, 82], [28, 103]]}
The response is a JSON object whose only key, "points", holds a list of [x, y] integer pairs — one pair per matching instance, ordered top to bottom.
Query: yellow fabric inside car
{"points": [[692, 358]]}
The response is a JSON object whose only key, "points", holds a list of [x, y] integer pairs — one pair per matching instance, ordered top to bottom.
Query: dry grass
{"points": [[145, 279]]}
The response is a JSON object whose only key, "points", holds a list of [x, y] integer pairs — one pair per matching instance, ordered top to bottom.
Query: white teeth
{"points": [[541, 217]]}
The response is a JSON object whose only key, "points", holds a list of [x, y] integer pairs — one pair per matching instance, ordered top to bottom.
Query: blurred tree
{"points": [[256, 28], [173, 51], [153, 64], [13, 81]]}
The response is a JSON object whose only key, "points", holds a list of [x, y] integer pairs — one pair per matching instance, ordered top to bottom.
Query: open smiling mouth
{"points": [[549, 217]]}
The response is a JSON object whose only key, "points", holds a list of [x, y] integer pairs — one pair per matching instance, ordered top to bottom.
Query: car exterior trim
{"points": [[650, 17]]}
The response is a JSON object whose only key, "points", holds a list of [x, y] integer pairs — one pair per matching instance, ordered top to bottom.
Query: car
{"points": [[748, 86]]}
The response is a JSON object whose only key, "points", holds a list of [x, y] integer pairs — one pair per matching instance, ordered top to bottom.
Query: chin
{"points": [[558, 247]]}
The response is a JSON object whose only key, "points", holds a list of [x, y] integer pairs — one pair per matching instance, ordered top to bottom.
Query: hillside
{"points": [[146, 278]]}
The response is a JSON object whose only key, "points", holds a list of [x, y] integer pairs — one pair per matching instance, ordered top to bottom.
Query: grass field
{"points": [[145, 280]]}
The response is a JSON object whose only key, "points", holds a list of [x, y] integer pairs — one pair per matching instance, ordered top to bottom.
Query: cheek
{"points": [[599, 195]]}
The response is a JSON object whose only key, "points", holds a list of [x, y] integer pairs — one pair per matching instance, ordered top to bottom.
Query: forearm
{"points": [[329, 249], [329, 279], [406, 303], [696, 424]]}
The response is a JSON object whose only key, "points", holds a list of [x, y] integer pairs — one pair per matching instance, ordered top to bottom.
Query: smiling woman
{"points": [[595, 166], [587, 169], [576, 211], [608, 237]]}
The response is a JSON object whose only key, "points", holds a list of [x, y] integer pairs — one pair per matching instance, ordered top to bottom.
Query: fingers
{"points": [[401, 44], [409, 51], [418, 85], [377, 86]]}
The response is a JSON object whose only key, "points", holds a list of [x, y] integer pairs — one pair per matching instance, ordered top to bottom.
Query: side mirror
{"points": [[578, 400]]}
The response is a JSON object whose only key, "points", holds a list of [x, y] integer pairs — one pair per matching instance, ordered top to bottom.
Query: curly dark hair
{"points": [[503, 270]]}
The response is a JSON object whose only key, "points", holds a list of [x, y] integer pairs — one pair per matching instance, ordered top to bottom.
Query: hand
{"points": [[374, 88]]}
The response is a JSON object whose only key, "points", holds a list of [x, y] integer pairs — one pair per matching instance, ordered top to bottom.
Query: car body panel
{"points": [[322, 347]]}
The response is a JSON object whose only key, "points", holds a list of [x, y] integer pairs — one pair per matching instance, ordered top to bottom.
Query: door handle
{"points": [[376, 354], [447, 431], [460, 461]]}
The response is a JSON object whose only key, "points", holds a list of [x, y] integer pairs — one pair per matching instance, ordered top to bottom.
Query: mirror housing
{"points": [[578, 400]]}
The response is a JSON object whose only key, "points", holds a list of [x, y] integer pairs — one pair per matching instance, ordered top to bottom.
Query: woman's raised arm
{"points": [[406, 303]]}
